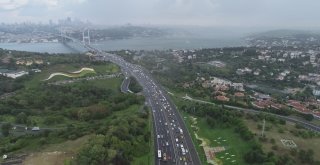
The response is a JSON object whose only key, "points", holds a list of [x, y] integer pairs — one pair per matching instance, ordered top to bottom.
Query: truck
{"points": [[159, 154]]}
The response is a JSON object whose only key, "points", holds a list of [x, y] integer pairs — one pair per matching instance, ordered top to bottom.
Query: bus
{"points": [[159, 154]]}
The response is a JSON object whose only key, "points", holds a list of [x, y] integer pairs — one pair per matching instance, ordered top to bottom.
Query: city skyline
{"points": [[241, 13]]}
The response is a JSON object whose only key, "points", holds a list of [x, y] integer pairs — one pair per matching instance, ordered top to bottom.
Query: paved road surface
{"points": [[173, 144]]}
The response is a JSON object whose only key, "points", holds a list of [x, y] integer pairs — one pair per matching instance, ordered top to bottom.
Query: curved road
{"points": [[173, 143]]}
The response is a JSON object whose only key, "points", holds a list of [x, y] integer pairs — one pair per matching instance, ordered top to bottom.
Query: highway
{"points": [[173, 143]]}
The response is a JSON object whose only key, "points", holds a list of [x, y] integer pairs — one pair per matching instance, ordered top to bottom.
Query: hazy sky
{"points": [[246, 13]]}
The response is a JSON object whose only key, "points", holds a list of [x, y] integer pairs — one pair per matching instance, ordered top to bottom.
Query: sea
{"points": [[128, 44]]}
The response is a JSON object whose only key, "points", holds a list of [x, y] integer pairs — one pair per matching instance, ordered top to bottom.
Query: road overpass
{"points": [[173, 143]]}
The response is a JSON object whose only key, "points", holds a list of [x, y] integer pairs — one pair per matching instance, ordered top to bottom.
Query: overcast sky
{"points": [[245, 13]]}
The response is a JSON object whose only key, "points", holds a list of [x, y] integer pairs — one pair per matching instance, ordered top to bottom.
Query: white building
{"points": [[15, 75], [238, 86], [316, 92]]}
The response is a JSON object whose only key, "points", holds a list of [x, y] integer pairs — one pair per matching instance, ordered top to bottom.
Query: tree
{"points": [[134, 86], [83, 115], [308, 117], [21, 118], [5, 128], [94, 152], [255, 156], [306, 156]]}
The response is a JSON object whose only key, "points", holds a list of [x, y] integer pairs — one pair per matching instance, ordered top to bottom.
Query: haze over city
{"points": [[239, 13], [160, 82]]}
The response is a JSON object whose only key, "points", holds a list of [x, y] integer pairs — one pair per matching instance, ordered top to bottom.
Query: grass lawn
{"points": [[106, 68], [38, 78], [112, 83], [225, 136], [219, 137], [229, 139], [305, 144], [57, 153], [143, 160]]}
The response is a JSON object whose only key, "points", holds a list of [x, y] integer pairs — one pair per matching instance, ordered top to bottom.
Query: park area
{"points": [[285, 139], [216, 146]]}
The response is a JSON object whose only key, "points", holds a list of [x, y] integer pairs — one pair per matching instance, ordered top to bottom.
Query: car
{"points": [[158, 136], [177, 140], [167, 143], [164, 156]]}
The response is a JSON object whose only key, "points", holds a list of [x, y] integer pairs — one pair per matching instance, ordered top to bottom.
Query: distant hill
{"points": [[284, 33]]}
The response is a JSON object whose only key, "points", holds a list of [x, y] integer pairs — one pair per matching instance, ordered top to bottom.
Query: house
{"points": [[38, 61], [246, 70], [257, 72], [12, 74], [15, 74], [238, 86], [221, 88], [316, 92], [239, 94], [260, 96], [222, 98], [261, 104], [297, 105], [278, 106]]}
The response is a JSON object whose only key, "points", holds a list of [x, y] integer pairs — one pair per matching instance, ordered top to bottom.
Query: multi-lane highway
{"points": [[173, 144]]}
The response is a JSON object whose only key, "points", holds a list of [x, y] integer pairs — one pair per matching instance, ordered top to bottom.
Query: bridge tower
{"points": [[63, 33], [86, 37]]}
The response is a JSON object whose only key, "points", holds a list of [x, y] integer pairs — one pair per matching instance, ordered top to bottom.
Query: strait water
{"points": [[131, 44]]}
